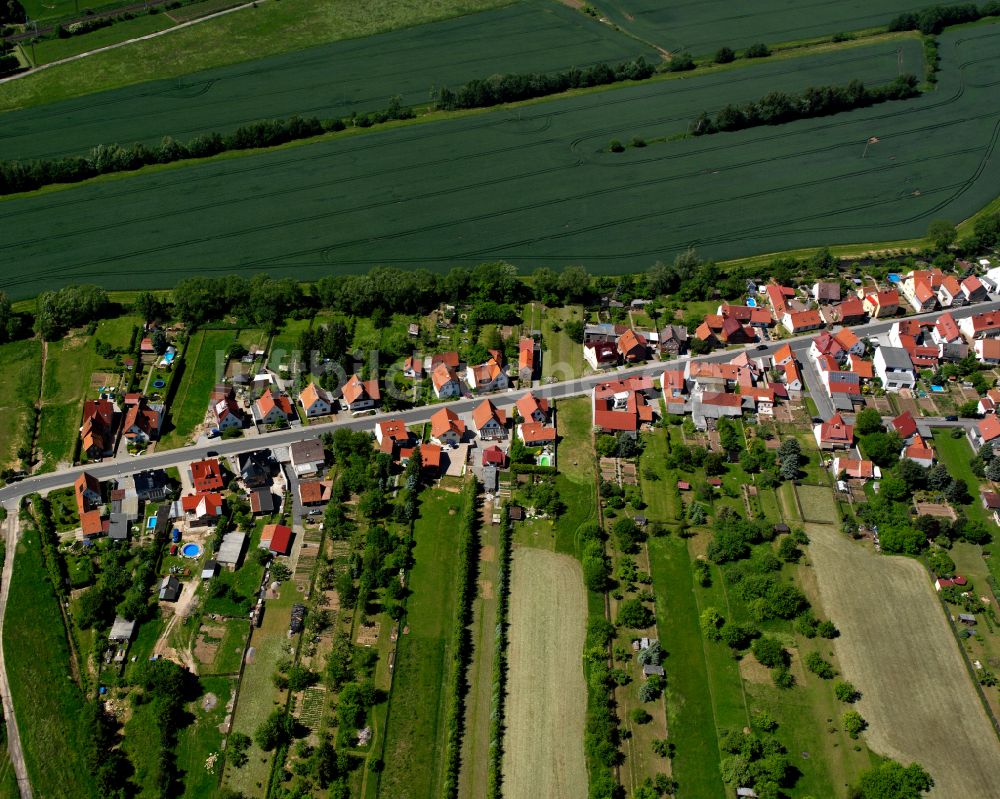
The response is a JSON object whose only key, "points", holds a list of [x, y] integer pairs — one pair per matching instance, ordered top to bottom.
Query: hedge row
{"points": [[935, 19], [512, 88], [778, 108], [532, 468], [458, 685], [494, 773]]}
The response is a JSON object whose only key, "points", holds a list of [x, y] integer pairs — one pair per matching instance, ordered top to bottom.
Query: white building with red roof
{"points": [[981, 325], [619, 407], [834, 433]]}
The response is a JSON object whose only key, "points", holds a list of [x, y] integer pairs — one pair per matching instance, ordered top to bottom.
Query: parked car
{"points": [[951, 418]]}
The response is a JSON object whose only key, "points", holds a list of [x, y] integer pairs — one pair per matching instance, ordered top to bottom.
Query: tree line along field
{"points": [[703, 26], [267, 29], [328, 81], [446, 193]]}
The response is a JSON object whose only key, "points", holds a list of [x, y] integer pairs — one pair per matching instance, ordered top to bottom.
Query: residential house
{"points": [[919, 289], [973, 289], [826, 292], [950, 294], [779, 296], [881, 304], [850, 312], [747, 315], [796, 322], [981, 325], [717, 329], [945, 330], [604, 333], [673, 341], [850, 343], [825, 345], [633, 347], [526, 350], [987, 350], [600, 354], [783, 355], [449, 359], [413, 367], [894, 368], [864, 369], [486, 377], [793, 377], [445, 382], [845, 386], [674, 387], [360, 395], [315, 401], [990, 402], [715, 405], [273, 407], [619, 407], [532, 408], [226, 411], [142, 422], [490, 422], [905, 425], [446, 427], [986, 432], [97, 433], [834, 433], [391, 434], [536, 434], [919, 452], [494, 456], [307, 457], [431, 457], [256, 468], [855, 469], [206, 475], [150, 485], [87, 490], [315, 492], [261, 502], [202, 509], [276, 538]]}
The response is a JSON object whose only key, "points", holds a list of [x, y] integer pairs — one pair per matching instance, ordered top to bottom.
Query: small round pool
{"points": [[159, 383], [190, 550]]}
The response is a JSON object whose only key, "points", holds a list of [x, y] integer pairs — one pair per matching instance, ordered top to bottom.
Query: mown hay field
{"points": [[702, 26], [328, 81], [536, 185], [817, 504], [897, 648], [546, 694]]}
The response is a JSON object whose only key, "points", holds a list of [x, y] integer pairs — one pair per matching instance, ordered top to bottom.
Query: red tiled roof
{"points": [[947, 327], [529, 403], [485, 411], [444, 420], [904, 424], [989, 428], [836, 430], [537, 432], [495, 456], [206, 475], [279, 536]]}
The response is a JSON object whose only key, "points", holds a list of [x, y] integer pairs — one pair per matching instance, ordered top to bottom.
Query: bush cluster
{"points": [[935, 19], [510, 88], [778, 108], [457, 687], [601, 738]]}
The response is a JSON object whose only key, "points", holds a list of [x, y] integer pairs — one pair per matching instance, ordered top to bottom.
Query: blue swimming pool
{"points": [[751, 302], [159, 383], [938, 389], [190, 550]]}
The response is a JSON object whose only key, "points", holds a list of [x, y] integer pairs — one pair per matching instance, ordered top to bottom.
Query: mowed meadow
{"points": [[327, 81], [536, 185]]}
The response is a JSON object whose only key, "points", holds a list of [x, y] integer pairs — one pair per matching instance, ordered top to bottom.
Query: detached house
{"points": [[920, 287], [973, 289], [826, 292], [950, 293], [881, 304], [850, 312], [802, 321], [981, 325], [945, 330], [673, 341], [851, 344], [632, 347], [987, 350], [600, 354], [783, 355], [526, 360], [413, 367], [894, 368], [488, 376], [793, 376], [445, 382], [361, 395], [315, 401], [620, 407], [273, 408], [532, 408], [225, 410], [142, 422], [491, 423], [446, 427], [97, 433], [834, 433], [986, 433], [535, 434], [919, 452], [307, 457], [856, 469], [206, 475], [87, 490], [202, 509]]}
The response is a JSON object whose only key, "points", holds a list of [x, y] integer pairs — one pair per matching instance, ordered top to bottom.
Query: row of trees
{"points": [[935, 19], [511, 88], [777, 108]]}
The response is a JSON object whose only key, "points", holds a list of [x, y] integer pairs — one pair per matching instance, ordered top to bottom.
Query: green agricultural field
{"points": [[42, 10], [704, 26], [269, 29], [331, 80], [440, 194], [20, 363], [46, 700], [416, 733]]}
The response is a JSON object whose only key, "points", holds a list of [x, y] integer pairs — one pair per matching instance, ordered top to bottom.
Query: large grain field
{"points": [[702, 26], [331, 80], [536, 186], [896, 646], [543, 748]]}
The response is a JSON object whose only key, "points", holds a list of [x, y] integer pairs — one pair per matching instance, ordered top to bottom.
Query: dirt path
{"points": [[182, 609], [897, 647], [546, 693], [13, 736]]}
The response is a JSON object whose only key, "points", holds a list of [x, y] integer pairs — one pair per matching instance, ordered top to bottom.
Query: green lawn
{"points": [[269, 29], [49, 50], [286, 343], [562, 358], [203, 362], [20, 363], [46, 700], [690, 705], [416, 732], [199, 739], [142, 745]]}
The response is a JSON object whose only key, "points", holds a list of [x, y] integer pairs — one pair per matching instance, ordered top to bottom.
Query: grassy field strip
{"points": [[701, 28], [328, 81], [436, 211], [204, 359], [20, 363], [897, 647], [691, 715], [416, 732], [543, 752], [473, 779]]}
